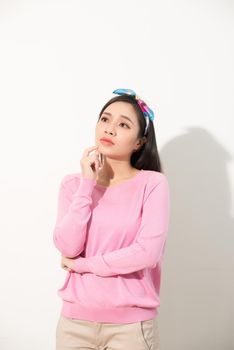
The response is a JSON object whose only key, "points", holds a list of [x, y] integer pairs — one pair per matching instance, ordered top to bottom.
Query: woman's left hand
{"points": [[67, 263]]}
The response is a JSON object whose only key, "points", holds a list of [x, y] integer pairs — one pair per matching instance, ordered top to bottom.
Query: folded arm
{"points": [[148, 247]]}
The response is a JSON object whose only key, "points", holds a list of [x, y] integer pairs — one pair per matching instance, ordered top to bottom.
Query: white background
{"points": [[60, 61]]}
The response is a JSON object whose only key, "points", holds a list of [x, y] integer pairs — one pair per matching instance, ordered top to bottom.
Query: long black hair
{"points": [[147, 157]]}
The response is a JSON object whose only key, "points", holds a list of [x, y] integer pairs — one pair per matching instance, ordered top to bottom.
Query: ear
{"points": [[140, 143]]}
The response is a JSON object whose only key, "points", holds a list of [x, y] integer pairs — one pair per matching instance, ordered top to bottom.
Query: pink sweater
{"points": [[117, 237]]}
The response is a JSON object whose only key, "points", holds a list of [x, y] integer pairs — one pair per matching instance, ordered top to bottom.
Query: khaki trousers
{"points": [[76, 334]]}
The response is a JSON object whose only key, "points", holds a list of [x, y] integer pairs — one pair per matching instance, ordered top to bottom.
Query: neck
{"points": [[113, 170]]}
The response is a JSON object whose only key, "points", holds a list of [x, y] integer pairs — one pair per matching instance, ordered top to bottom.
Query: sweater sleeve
{"points": [[73, 214], [149, 244]]}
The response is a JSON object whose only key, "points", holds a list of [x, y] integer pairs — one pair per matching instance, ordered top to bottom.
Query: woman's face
{"points": [[119, 123]]}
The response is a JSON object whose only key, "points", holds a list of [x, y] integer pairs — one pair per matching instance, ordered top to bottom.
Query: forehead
{"points": [[120, 107]]}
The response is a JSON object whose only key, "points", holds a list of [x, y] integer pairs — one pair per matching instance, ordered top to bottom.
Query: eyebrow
{"points": [[121, 115]]}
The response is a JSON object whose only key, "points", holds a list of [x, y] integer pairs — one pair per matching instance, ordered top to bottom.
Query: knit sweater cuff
{"points": [[93, 264], [81, 265]]}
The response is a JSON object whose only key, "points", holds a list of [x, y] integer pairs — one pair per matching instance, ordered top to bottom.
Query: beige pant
{"points": [[75, 334]]}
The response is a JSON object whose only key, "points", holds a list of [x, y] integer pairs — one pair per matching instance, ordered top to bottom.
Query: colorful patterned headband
{"points": [[148, 113]]}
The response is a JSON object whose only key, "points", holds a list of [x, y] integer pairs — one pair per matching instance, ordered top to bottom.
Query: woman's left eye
{"points": [[125, 124]]}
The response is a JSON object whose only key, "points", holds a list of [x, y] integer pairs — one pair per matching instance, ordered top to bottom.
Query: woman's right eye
{"points": [[103, 118]]}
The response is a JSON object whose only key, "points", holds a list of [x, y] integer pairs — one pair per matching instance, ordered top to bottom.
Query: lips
{"points": [[107, 140]]}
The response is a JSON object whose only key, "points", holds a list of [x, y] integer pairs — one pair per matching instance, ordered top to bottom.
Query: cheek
{"points": [[101, 125], [98, 129], [129, 138], [127, 142]]}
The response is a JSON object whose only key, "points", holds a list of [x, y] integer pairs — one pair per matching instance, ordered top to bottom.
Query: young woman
{"points": [[111, 230]]}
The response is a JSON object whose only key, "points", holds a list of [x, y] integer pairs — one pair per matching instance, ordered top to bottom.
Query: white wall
{"points": [[60, 61]]}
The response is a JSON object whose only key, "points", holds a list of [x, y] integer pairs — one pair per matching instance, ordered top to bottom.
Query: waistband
{"points": [[112, 315]]}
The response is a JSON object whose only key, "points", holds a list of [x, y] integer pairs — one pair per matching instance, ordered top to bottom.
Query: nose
{"points": [[110, 130]]}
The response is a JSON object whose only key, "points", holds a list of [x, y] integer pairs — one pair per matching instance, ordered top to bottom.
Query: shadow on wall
{"points": [[197, 308]]}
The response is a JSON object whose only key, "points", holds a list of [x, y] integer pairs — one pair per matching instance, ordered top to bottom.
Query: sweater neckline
{"points": [[121, 183]]}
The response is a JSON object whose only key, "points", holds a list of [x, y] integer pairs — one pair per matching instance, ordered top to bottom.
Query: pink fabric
{"points": [[117, 237]]}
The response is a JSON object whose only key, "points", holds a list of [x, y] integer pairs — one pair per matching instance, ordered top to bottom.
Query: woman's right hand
{"points": [[90, 163]]}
